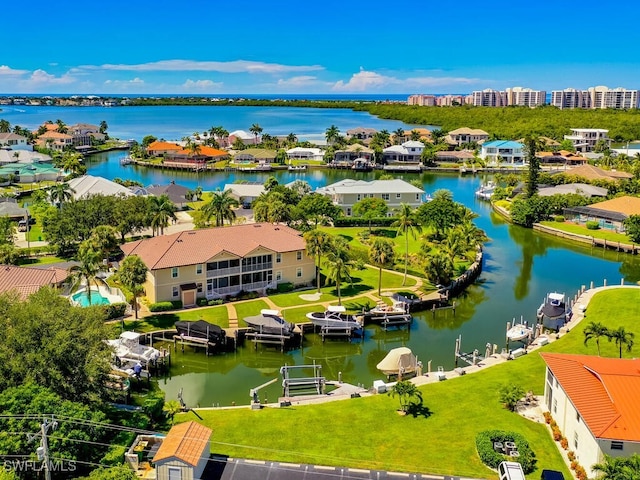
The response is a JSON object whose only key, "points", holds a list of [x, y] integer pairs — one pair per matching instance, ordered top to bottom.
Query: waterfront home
{"points": [[361, 133], [84, 135], [424, 135], [463, 135], [245, 137], [585, 139], [55, 140], [14, 141], [158, 148], [410, 151], [502, 151], [304, 153], [352, 153], [203, 155], [255, 155], [455, 156], [26, 157], [563, 157], [30, 172], [589, 172], [87, 185], [588, 191], [245, 193], [346, 193], [178, 194], [610, 214], [217, 262], [27, 280], [594, 402], [183, 454]]}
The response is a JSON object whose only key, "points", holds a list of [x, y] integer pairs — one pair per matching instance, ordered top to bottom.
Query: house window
{"points": [[398, 195], [386, 196], [358, 197], [417, 197], [348, 211], [299, 255], [278, 257], [198, 269], [174, 272], [299, 272], [278, 275], [199, 285], [210, 285], [174, 292], [555, 405], [577, 417], [575, 440], [617, 445]]}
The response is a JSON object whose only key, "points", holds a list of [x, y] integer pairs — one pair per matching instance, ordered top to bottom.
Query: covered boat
{"points": [[553, 313], [334, 316], [270, 322], [200, 330], [127, 347], [399, 361]]}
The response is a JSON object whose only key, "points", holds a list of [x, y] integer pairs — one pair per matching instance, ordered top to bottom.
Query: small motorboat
{"points": [[397, 310], [554, 312], [334, 316], [270, 322], [200, 330], [519, 332], [128, 348], [399, 361]]}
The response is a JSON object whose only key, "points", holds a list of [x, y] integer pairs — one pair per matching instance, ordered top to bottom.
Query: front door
{"points": [[188, 298]]}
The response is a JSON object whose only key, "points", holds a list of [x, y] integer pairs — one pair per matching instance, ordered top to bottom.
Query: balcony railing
{"points": [[223, 272], [248, 287]]}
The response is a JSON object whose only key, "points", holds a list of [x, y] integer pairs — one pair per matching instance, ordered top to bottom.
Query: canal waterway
{"points": [[521, 266]]}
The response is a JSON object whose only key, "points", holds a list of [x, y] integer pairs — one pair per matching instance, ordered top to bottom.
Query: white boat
{"points": [[295, 168], [486, 190], [397, 310], [554, 312], [334, 316], [270, 322], [519, 332], [127, 348], [399, 361]]}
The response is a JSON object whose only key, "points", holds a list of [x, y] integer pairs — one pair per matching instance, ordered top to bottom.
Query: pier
{"points": [[472, 358]]}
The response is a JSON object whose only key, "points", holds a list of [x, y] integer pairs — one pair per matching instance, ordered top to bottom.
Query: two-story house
{"points": [[463, 135], [585, 139], [14, 141], [410, 151], [502, 151], [346, 193], [216, 262], [594, 402]]}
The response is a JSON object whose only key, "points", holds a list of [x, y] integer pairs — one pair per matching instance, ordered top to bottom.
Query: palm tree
{"points": [[5, 126], [62, 128], [256, 130], [331, 134], [415, 135], [398, 136], [292, 139], [192, 147], [60, 193], [220, 207], [162, 210], [407, 224], [318, 243], [382, 254], [338, 263], [439, 268], [87, 269], [133, 275], [595, 330], [622, 338], [405, 390], [171, 408], [615, 468]]}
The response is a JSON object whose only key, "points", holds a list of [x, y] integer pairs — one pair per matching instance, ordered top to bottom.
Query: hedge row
{"points": [[361, 222], [165, 306], [114, 310], [491, 458]]}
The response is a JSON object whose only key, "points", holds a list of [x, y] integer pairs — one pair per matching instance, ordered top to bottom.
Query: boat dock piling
{"points": [[326, 331], [267, 338], [193, 342], [473, 358], [315, 383]]}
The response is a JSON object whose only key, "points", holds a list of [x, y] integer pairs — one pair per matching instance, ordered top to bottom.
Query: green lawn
{"points": [[582, 230], [35, 233], [352, 235], [42, 260], [246, 309], [161, 321], [367, 432]]}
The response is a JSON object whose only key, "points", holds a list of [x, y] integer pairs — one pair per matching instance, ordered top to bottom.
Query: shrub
{"points": [[559, 219], [363, 222], [592, 225], [284, 287], [217, 301], [202, 302], [165, 306], [115, 310], [510, 395], [153, 405], [547, 417], [557, 434], [564, 443], [571, 455], [491, 458], [574, 464], [581, 473]]}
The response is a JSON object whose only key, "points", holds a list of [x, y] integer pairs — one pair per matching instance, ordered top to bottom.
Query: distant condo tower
{"points": [[595, 97]]}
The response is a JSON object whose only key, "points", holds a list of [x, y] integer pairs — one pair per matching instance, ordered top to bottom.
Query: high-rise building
{"points": [[526, 97], [604, 97], [489, 98], [570, 98], [422, 100]]}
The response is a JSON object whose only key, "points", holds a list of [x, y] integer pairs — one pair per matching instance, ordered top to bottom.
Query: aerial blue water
{"points": [[96, 298]]}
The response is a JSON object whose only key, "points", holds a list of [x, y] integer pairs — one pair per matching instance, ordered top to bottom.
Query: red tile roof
{"points": [[163, 146], [206, 151], [626, 205], [198, 246], [26, 281], [604, 391], [186, 442]]}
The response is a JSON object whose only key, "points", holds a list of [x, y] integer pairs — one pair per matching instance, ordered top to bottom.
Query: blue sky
{"points": [[329, 46]]}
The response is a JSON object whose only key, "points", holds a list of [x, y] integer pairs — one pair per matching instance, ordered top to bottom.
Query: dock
{"points": [[391, 321], [269, 339], [183, 340], [472, 358], [296, 385]]}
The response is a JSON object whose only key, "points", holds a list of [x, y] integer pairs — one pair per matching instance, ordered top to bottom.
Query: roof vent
{"points": [[257, 225]]}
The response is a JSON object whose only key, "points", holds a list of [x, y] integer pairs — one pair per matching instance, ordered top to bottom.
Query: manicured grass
{"points": [[582, 230], [35, 233], [352, 235], [42, 260], [246, 309], [298, 314], [217, 315], [367, 432]]}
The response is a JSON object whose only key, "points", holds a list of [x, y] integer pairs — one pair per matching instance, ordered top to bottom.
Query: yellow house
{"points": [[216, 262]]}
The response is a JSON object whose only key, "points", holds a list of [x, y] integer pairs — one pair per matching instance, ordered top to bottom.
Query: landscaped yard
{"points": [[582, 230], [161, 321], [367, 432]]}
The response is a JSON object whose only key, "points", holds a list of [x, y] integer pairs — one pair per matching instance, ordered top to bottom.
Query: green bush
{"points": [[559, 219], [363, 222], [592, 225], [217, 301], [202, 302], [165, 306], [115, 310], [153, 405], [491, 458]]}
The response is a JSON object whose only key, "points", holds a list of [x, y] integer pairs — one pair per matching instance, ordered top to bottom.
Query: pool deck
{"points": [[101, 290]]}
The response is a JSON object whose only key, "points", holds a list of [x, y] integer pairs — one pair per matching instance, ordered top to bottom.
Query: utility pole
{"points": [[43, 450]]}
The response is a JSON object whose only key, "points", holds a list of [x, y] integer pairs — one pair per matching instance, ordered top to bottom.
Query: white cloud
{"points": [[236, 66], [6, 70], [41, 77], [366, 80], [135, 81], [300, 81], [201, 85]]}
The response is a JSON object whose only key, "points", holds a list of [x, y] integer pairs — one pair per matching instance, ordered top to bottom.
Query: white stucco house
{"points": [[410, 151], [502, 151], [304, 153], [594, 401]]}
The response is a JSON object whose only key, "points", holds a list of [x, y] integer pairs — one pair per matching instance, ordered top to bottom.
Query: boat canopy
{"points": [[336, 309], [266, 311], [128, 335], [398, 360]]}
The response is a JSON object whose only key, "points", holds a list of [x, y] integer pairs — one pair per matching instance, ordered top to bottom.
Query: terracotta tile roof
{"points": [[54, 134], [163, 146], [204, 150], [594, 173], [626, 205], [198, 246], [26, 281], [604, 391], [187, 442]]}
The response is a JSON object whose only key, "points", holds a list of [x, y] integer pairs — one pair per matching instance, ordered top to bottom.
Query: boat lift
{"points": [[472, 358], [302, 385]]}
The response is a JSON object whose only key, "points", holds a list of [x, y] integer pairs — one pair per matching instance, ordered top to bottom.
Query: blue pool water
{"points": [[96, 298]]}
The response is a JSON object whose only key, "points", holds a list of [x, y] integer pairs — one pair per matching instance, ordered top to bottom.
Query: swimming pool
{"points": [[96, 298]]}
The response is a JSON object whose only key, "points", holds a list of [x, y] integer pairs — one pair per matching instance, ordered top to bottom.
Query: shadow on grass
{"points": [[384, 232], [349, 291], [363, 304], [159, 322], [418, 409]]}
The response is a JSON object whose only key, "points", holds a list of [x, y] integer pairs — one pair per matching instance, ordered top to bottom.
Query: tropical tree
{"points": [[5, 126], [62, 127], [103, 127], [256, 130], [332, 134], [415, 135], [398, 136], [292, 139], [532, 144], [192, 147], [71, 162], [60, 193], [220, 207], [316, 208], [370, 208], [162, 209], [407, 224], [317, 244], [382, 255], [338, 263], [439, 268], [86, 271], [133, 275], [595, 330], [622, 338], [406, 391], [510, 395], [171, 408], [618, 468]]}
